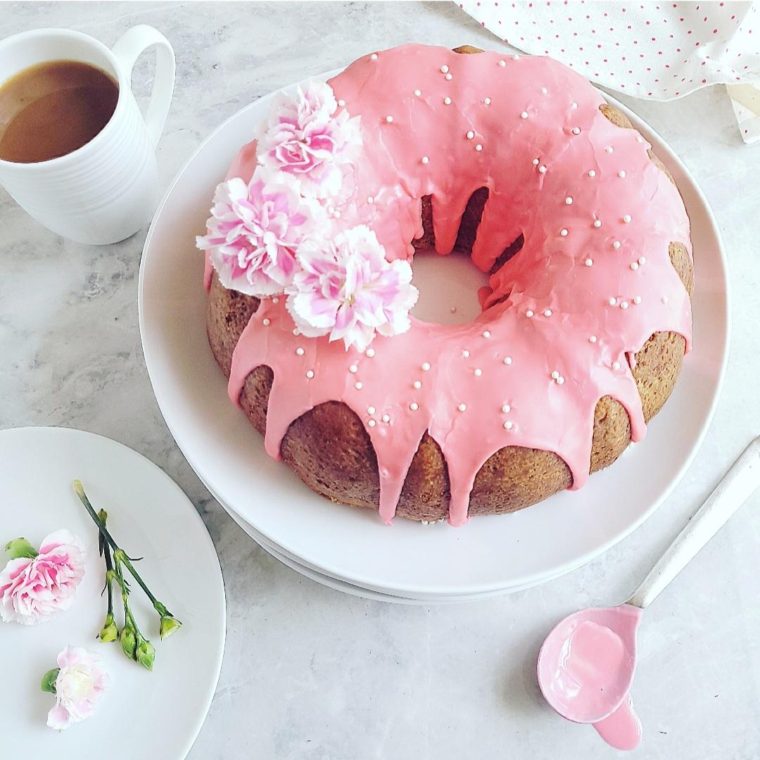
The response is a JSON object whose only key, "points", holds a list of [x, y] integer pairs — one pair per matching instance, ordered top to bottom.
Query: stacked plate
{"points": [[351, 549]]}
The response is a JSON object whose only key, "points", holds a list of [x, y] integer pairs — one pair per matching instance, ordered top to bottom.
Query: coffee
{"points": [[53, 108]]}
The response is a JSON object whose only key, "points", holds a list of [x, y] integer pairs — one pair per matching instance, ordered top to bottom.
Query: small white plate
{"points": [[490, 554], [142, 714]]}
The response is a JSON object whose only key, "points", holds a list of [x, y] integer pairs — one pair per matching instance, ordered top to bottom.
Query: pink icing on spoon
{"points": [[592, 282], [585, 669]]}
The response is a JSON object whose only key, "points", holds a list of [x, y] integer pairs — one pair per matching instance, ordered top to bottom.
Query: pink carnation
{"points": [[305, 138], [253, 232], [345, 288], [34, 588], [78, 687]]}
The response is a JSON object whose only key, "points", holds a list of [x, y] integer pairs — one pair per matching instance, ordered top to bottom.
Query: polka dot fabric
{"points": [[652, 50]]}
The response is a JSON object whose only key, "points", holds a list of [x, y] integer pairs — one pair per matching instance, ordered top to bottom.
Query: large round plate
{"points": [[497, 553], [141, 714]]}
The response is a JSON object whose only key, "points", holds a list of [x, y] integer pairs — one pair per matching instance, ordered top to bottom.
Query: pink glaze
{"points": [[556, 344], [585, 670]]}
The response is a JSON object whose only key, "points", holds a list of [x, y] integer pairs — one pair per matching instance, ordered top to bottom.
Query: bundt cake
{"points": [[520, 163]]}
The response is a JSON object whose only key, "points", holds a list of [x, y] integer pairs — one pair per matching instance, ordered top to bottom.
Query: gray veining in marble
{"points": [[309, 672]]}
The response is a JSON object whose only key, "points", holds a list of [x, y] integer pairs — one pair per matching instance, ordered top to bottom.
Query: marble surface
{"points": [[312, 673]]}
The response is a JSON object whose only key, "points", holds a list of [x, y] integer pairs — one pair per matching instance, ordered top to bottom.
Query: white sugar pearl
{"points": [[374, 56], [515, 57], [502, 63], [444, 69], [448, 77], [544, 91], [418, 93], [447, 101], [487, 101], [573, 105], [524, 115], [389, 119], [576, 130], [470, 134], [478, 147], [609, 149], [425, 159], [535, 162], [542, 169], [591, 173], [621, 174], [370, 199], [569, 200], [627, 218], [597, 223], [563, 232], [616, 244], [642, 260], [589, 262], [634, 266], [637, 299], [664, 299], [275, 300], [612, 301], [624, 305], [547, 312], [529, 313], [266, 322], [296, 331], [486, 333], [592, 338], [300, 351], [370, 352], [465, 354], [507, 360], [615, 365], [425, 366], [353, 369], [478, 372], [310, 373], [555, 375], [560, 380], [417, 384], [358, 385], [414, 406], [462, 407], [506, 408], [370, 409], [386, 418], [372, 423], [508, 424]]}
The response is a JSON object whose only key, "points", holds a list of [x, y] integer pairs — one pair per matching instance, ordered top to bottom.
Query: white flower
{"points": [[306, 139], [253, 231], [345, 288]]}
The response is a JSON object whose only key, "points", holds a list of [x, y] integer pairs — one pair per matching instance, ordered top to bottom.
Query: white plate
{"points": [[497, 553], [142, 714]]}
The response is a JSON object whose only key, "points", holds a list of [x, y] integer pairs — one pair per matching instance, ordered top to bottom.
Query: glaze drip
{"points": [[530, 350]]}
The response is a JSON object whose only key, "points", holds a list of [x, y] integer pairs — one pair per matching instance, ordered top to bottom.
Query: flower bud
{"points": [[169, 625], [109, 632], [128, 641], [145, 654]]}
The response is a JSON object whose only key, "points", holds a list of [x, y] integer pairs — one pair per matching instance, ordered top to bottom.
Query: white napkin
{"points": [[651, 50]]}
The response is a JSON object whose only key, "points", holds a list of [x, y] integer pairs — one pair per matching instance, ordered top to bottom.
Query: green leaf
{"points": [[20, 547], [49, 679]]}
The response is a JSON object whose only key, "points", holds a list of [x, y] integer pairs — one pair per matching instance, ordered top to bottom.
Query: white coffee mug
{"points": [[106, 190]]}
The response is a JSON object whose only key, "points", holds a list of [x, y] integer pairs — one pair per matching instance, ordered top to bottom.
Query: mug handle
{"points": [[130, 46]]}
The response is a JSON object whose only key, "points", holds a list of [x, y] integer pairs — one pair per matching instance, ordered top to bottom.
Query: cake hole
{"points": [[427, 239], [448, 287]]}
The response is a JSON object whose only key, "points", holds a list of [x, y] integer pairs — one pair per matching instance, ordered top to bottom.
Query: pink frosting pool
{"points": [[586, 667]]}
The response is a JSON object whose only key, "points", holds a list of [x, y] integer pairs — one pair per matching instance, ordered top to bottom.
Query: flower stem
{"points": [[103, 515], [120, 556]]}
